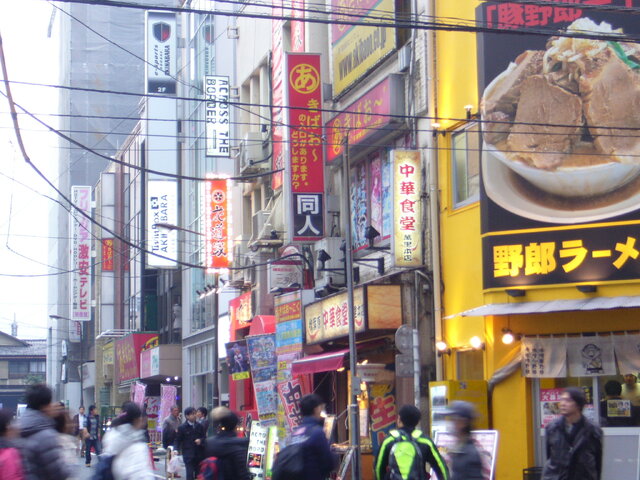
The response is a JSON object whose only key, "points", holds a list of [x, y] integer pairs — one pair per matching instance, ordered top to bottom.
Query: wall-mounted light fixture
{"points": [[468, 109], [587, 288], [515, 292], [507, 336], [476, 343], [442, 348]]}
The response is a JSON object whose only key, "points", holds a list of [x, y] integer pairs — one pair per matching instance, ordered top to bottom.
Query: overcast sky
{"points": [[31, 57]]}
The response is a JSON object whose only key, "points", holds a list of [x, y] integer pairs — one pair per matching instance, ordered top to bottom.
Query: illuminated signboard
{"points": [[359, 48], [304, 93], [217, 115], [162, 207], [564, 208], [407, 216], [217, 225], [107, 254], [80, 264]]}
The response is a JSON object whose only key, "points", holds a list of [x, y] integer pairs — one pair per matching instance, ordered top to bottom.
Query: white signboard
{"points": [[161, 41], [217, 115], [162, 208], [80, 257], [285, 274], [75, 331]]}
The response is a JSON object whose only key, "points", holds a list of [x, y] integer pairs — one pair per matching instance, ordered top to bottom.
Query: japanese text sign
{"points": [[358, 48], [160, 57], [277, 93], [304, 95], [217, 115], [367, 117], [162, 208], [564, 208], [407, 215], [217, 225], [107, 254], [80, 264], [240, 311], [329, 318], [289, 330], [127, 354]]}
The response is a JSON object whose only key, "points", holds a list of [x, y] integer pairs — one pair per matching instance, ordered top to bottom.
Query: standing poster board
{"points": [[486, 441], [257, 450], [344, 470]]}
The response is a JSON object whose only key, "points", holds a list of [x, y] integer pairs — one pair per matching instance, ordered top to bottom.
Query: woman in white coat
{"points": [[125, 441]]}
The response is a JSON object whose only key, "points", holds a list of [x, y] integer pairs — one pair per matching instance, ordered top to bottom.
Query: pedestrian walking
{"points": [[202, 416], [80, 422], [170, 427], [92, 434], [67, 441], [124, 442], [190, 442], [573, 443], [226, 446], [406, 452], [10, 458], [43, 459], [317, 459], [465, 460]]}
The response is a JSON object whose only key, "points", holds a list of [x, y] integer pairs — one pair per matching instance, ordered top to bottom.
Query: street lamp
{"points": [[80, 323]]}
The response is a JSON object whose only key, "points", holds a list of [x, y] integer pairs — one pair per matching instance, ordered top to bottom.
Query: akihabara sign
{"points": [[161, 52], [217, 115], [305, 134], [162, 208], [407, 216], [217, 225], [80, 264]]}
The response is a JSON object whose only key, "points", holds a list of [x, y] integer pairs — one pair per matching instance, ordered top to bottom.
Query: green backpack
{"points": [[405, 458]]}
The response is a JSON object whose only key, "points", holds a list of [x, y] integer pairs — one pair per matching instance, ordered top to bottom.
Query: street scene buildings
{"points": [[383, 203]]}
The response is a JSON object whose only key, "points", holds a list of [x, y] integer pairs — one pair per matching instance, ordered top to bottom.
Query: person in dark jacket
{"points": [[202, 417], [408, 419], [93, 437], [189, 442], [574, 444], [225, 445], [43, 459], [465, 460], [319, 461]]}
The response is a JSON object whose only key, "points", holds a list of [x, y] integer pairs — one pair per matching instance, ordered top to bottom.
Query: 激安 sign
{"points": [[217, 115], [407, 215], [80, 264]]}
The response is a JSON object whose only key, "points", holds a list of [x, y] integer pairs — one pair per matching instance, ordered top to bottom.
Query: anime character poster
{"points": [[375, 189], [359, 206], [387, 208], [262, 351], [238, 360]]}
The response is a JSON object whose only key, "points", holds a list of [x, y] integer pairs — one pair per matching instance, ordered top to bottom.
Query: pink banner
{"points": [[138, 393], [168, 395]]}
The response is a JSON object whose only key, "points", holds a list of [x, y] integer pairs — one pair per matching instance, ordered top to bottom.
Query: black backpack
{"points": [[289, 464]]}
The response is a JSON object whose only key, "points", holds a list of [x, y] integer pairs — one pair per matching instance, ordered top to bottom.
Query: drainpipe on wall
{"points": [[434, 204]]}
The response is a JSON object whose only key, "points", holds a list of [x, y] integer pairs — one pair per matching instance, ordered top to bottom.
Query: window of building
{"points": [[465, 168]]}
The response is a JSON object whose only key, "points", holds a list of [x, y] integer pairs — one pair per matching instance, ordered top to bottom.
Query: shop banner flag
{"points": [[627, 348], [590, 356], [544, 357], [138, 391], [168, 396]]}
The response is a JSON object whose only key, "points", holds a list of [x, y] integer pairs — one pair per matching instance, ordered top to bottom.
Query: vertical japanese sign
{"points": [[297, 26], [161, 43], [277, 89], [304, 94], [217, 115], [162, 208], [561, 208], [407, 215], [217, 225], [107, 254], [80, 267], [240, 311], [289, 332], [262, 359], [168, 397], [382, 409]]}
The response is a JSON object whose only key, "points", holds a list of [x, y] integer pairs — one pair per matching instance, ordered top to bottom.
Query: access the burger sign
{"points": [[161, 53]]}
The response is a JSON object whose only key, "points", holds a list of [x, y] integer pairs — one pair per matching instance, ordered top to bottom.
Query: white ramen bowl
{"points": [[570, 182]]}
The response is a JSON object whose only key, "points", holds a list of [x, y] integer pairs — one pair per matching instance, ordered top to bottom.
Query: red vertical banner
{"points": [[297, 26], [277, 86], [304, 94], [217, 219], [107, 254]]}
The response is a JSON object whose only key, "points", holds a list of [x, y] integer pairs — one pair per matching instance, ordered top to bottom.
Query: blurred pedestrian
{"points": [[202, 416], [80, 422], [170, 427], [92, 435], [67, 441], [125, 442], [189, 442], [573, 443], [225, 445], [407, 449], [10, 458], [465, 458], [43, 459]]}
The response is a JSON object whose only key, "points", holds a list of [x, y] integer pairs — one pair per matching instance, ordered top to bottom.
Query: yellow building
{"points": [[513, 245]]}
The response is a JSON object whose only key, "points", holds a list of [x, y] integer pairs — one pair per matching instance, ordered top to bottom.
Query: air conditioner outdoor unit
{"points": [[252, 158], [260, 219], [331, 245], [240, 255]]}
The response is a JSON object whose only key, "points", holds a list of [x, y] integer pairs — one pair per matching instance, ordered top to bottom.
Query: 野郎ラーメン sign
{"points": [[358, 48], [160, 55], [304, 93], [217, 115], [557, 206], [162, 208], [407, 215], [217, 224], [80, 264], [377, 307]]}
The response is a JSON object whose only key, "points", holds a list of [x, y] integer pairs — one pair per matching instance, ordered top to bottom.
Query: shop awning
{"points": [[596, 303], [262, 324], [323, 362]]}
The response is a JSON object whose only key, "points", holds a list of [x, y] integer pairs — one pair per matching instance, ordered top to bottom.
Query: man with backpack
{"points": [[309, 444], [225, 452], [405, 453]]}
